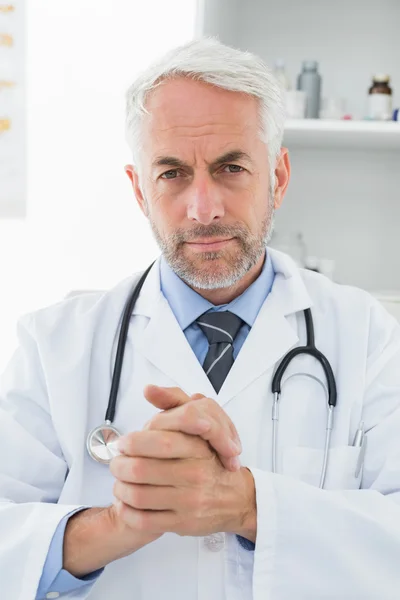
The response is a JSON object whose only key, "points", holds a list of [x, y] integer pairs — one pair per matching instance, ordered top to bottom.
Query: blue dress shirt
{"points": [[187, 306], [54, 578]]}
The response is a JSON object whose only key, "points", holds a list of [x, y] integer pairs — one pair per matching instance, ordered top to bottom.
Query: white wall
{"points": [[219, 18], [351, 39], [347, 203], [347, 206], [83, 228]]}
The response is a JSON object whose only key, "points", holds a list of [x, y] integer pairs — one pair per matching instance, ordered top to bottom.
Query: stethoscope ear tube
{"points": [[119, 358], [321, 358]]}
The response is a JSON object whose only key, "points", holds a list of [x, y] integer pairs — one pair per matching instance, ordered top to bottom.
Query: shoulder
{"points": [[326, 293], [352, 308], [78, 312]]}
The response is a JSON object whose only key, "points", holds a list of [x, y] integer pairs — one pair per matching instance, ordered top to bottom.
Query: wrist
{"points": [[247, 526], [96, 537], [134, 540], [81, 544]]}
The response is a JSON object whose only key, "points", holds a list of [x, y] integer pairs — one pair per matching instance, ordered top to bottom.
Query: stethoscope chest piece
{"points": [[99, 439]]}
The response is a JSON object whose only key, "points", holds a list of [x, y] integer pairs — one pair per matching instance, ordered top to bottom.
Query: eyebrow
{"points": [[228, 157]]}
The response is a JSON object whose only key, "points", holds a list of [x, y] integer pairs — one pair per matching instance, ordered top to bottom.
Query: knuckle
{"points": [[197, 396], [210, 405], [189, 411], [152, 424], [130, 442], [165, 443], [203, 448], [114, 466], [137, 469], [200, 476], [116, 488], [137, 497], [120, 510], [141, 521]]}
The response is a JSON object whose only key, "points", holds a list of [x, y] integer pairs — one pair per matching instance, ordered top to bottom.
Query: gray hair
{"points": [[209, 60]]}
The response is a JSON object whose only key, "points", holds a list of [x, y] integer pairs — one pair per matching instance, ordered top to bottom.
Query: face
{"points": [[204, 181]]}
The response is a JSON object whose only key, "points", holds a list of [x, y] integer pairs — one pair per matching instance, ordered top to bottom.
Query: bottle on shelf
{"points": [[281, 74], [309, 81], [380, 99]]}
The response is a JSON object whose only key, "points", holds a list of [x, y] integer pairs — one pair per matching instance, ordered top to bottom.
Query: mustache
{"points": [[180, 236]]}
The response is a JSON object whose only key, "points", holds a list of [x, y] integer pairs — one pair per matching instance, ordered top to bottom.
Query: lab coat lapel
{"points": [[271, 336], [268, 340], [163, 342], [165, 345]]}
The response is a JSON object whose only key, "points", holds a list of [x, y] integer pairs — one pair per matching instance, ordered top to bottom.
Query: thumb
{"points": [[197, 396], [166, 397]]}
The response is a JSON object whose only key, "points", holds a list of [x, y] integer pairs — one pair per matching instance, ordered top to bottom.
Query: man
{"points": [[190, 506]]}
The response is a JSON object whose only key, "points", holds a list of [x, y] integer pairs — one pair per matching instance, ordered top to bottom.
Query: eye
{"points": [[233, 169], [171, 174]]}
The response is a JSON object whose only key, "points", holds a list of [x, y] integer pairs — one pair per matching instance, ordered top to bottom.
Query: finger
{"points": [[197, 396], [165, 397], [168, 398], [174, 398], [220, 416], [190, 418], [187, 419], [195, 426], [163, 444], [232, 464], [154, 471], [148, 497], [146, 521]]}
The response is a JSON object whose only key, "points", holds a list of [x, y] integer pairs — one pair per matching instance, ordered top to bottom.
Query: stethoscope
{"points": [[99, 439]]}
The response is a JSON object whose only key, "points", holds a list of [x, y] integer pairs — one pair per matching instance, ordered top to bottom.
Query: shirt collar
{"points": [[187, 305]]}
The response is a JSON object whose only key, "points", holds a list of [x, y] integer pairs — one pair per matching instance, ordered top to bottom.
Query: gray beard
{"points": [[238, 263]]}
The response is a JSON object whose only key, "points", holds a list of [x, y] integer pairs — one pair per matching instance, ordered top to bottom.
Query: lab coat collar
{"points": [[289, 284], [271, 336], [163, 342], [165, 345]]}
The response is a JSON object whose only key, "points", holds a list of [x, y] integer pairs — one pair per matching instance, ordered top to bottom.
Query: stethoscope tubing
{"points": [[119, 358], [276, 387], [96, 436]]}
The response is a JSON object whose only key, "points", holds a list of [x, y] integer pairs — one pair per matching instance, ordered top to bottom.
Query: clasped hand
{"points": [[181, 473]]}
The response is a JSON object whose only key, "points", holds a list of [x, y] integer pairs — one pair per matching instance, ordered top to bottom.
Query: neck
{"points": [[226, 295]]}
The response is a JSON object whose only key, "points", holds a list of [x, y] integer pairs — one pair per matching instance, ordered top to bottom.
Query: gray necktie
{"points": [[220, 329]]}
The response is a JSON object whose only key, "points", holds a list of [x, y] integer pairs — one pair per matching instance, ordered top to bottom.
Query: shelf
{"points": [[365, 135]]}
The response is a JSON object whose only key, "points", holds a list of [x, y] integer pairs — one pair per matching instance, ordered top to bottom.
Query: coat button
{"points": [[215, 542], [52, 595]]}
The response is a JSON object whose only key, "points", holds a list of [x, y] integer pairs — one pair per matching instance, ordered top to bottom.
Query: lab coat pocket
{"points": [[306, 464]]}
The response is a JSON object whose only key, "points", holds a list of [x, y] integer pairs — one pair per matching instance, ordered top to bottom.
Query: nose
{"points": [[205, 201]]}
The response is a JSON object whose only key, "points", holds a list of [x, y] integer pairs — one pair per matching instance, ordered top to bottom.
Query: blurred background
{"points": [[68, 218]]}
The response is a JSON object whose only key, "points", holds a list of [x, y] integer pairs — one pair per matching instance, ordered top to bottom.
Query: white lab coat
{"points": [[339, 543]]}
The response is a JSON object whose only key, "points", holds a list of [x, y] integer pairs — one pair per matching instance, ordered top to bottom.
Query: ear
{"points": [[282, 174], [134, 177]]}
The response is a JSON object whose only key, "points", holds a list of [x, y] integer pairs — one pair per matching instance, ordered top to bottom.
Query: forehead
{"points": [[185, 107]]}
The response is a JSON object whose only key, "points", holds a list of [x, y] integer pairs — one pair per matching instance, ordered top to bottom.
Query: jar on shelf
{"points": [[380, 99]]}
